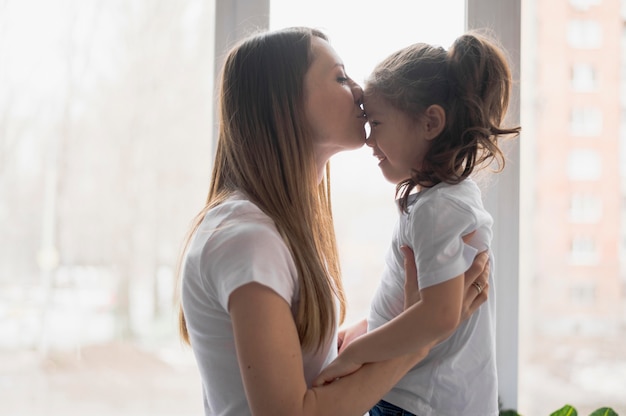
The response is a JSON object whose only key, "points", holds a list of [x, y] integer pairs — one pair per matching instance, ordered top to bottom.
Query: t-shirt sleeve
{"points": [[435, 231], [246, 253]]}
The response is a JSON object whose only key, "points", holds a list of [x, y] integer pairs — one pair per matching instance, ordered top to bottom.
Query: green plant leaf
{"points": [[566, 410], [604, 411]]}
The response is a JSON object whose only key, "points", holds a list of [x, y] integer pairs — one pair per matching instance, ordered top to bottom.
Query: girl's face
{"points": [[332, 104], [398, 140]]}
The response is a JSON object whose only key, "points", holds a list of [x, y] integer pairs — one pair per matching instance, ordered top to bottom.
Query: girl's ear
{"points": [[435, 117]]}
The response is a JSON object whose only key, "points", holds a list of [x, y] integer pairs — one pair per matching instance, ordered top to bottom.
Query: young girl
{"points": [[435, 118]]}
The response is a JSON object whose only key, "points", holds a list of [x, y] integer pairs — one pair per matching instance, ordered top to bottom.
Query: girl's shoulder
{"points": [[443, 197]]}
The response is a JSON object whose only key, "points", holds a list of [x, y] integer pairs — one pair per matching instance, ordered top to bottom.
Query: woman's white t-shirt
{"points": [[235, 244]]}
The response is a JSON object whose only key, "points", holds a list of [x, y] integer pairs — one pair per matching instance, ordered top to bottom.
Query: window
{"points": [[584, 5], [584, 34], [584, 77], [586, 121], [584, 165], [585, 208], [583, 251], [582, 294]]}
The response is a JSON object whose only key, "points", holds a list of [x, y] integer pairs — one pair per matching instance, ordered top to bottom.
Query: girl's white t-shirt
{"points": [[235, 244], [458, 377]]}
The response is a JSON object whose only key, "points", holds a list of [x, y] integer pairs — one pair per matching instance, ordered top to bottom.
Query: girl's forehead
{"points": [[374, 100]]}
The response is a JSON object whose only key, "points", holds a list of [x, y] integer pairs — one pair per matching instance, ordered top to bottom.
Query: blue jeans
{"points": [[384, 408]]}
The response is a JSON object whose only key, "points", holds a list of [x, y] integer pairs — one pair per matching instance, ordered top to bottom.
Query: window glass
{"points": [[363, 34], [104, 154], [572, 316]]}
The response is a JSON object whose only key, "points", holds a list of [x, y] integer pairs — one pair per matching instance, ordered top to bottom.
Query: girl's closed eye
{"points": [[342, 80], [373, 123]]}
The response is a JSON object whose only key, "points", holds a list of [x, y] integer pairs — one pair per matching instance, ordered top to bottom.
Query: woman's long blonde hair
{"points": [[265, 151]]}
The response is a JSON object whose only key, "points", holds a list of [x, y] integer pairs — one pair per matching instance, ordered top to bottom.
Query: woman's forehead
{"points": [[324, 55]]}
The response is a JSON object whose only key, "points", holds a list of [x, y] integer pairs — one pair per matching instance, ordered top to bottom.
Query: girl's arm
{"points": [[478, 272], [421, 310], [420, 327], [270, 361]]}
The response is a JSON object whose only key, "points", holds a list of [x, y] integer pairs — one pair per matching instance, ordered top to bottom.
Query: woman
{"points": [[261, 286]]}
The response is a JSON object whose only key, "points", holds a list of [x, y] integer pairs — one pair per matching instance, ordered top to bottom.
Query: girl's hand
{"points": [[350, 333], [342, 366]]}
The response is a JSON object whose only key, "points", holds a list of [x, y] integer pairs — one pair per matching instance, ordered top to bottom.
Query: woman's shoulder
{"points": [[239, 209], [236, 218], [237, 229]]}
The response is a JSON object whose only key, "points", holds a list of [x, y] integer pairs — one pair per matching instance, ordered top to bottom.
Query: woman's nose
{"points": [[357, 92], [370, 141]]}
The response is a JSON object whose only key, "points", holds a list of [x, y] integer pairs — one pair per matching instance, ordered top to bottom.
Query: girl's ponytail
{"points": [[478, 71]]}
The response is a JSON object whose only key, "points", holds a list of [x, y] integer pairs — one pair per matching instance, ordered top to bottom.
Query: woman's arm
{"points": [[270, 360]]}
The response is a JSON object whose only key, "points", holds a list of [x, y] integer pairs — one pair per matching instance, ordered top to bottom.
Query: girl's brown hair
{"points": [[472, 83], [264, 150]]}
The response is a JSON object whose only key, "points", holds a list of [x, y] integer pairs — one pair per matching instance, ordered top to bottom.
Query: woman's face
{"points": [[332, 104]]}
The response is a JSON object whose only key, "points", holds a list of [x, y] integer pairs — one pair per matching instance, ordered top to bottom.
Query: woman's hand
{"points": [[477, 276], [476, 285], [411, 288], [341, 366]]}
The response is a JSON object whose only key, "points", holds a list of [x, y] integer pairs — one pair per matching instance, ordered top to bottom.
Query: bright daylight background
{"points": [[105, 154]]}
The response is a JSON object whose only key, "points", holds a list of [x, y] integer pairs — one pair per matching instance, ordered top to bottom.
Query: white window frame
{"points": [[236, 18], [503, 199]]}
